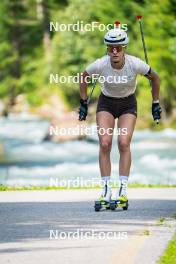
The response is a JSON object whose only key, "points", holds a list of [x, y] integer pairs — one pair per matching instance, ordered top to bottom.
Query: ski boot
{"points": [[104, 200]]}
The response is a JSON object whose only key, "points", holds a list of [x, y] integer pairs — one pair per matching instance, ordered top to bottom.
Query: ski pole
{"points": [[139, 18], [90, 95]]}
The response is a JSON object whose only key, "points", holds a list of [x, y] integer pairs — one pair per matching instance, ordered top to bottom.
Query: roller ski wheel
{"points": [[101, 204], [119, 204], [112, 205], [97, 206], [125, 207]]}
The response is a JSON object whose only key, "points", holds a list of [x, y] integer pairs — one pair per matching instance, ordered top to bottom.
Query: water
{"points": [[28, 160]]}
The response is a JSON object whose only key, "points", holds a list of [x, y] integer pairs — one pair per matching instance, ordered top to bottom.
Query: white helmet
{"points": [[116, 36]]}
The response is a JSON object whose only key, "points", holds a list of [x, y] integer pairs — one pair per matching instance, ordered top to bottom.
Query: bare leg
{"points": [[106, 121], [127, 121]]}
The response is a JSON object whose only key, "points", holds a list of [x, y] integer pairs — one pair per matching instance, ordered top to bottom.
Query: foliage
{"points": [[29, 52]]}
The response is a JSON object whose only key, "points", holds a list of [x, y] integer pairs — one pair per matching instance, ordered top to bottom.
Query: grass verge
{"points": [[31, 188], [169, 256]]}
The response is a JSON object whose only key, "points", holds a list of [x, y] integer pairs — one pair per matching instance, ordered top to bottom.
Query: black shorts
{"points": [[117, 106]]}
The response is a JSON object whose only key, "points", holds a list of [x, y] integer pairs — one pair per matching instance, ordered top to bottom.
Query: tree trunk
{"points": [[43, 16]]}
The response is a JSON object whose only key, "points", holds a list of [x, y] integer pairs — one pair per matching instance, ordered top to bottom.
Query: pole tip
{"points": [[138, 17], [117, 23]]}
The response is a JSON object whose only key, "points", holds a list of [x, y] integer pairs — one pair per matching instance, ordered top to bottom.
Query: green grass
{"points": [[138, 185], [30, 188], [161, 221], [146, 232], [169, 256]]}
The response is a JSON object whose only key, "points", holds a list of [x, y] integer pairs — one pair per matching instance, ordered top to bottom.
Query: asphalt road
{"points": [[62, 227]]}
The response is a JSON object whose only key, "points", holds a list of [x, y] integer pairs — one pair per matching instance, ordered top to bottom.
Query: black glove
{"points": [[83, 110], [156, 111]]}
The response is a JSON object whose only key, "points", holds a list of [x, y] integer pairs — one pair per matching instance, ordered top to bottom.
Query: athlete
{"points": [[117, 100]]}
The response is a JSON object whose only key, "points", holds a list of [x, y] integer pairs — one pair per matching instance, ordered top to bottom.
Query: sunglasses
{"points": [[117, 48]]}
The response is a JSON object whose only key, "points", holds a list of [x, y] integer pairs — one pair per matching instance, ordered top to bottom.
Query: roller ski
{"points": [[104, 201], [121, 201]]}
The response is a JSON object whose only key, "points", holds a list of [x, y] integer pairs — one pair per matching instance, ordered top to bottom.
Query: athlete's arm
{"points": [[155, 82], [83, 85], [83, 110]]}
